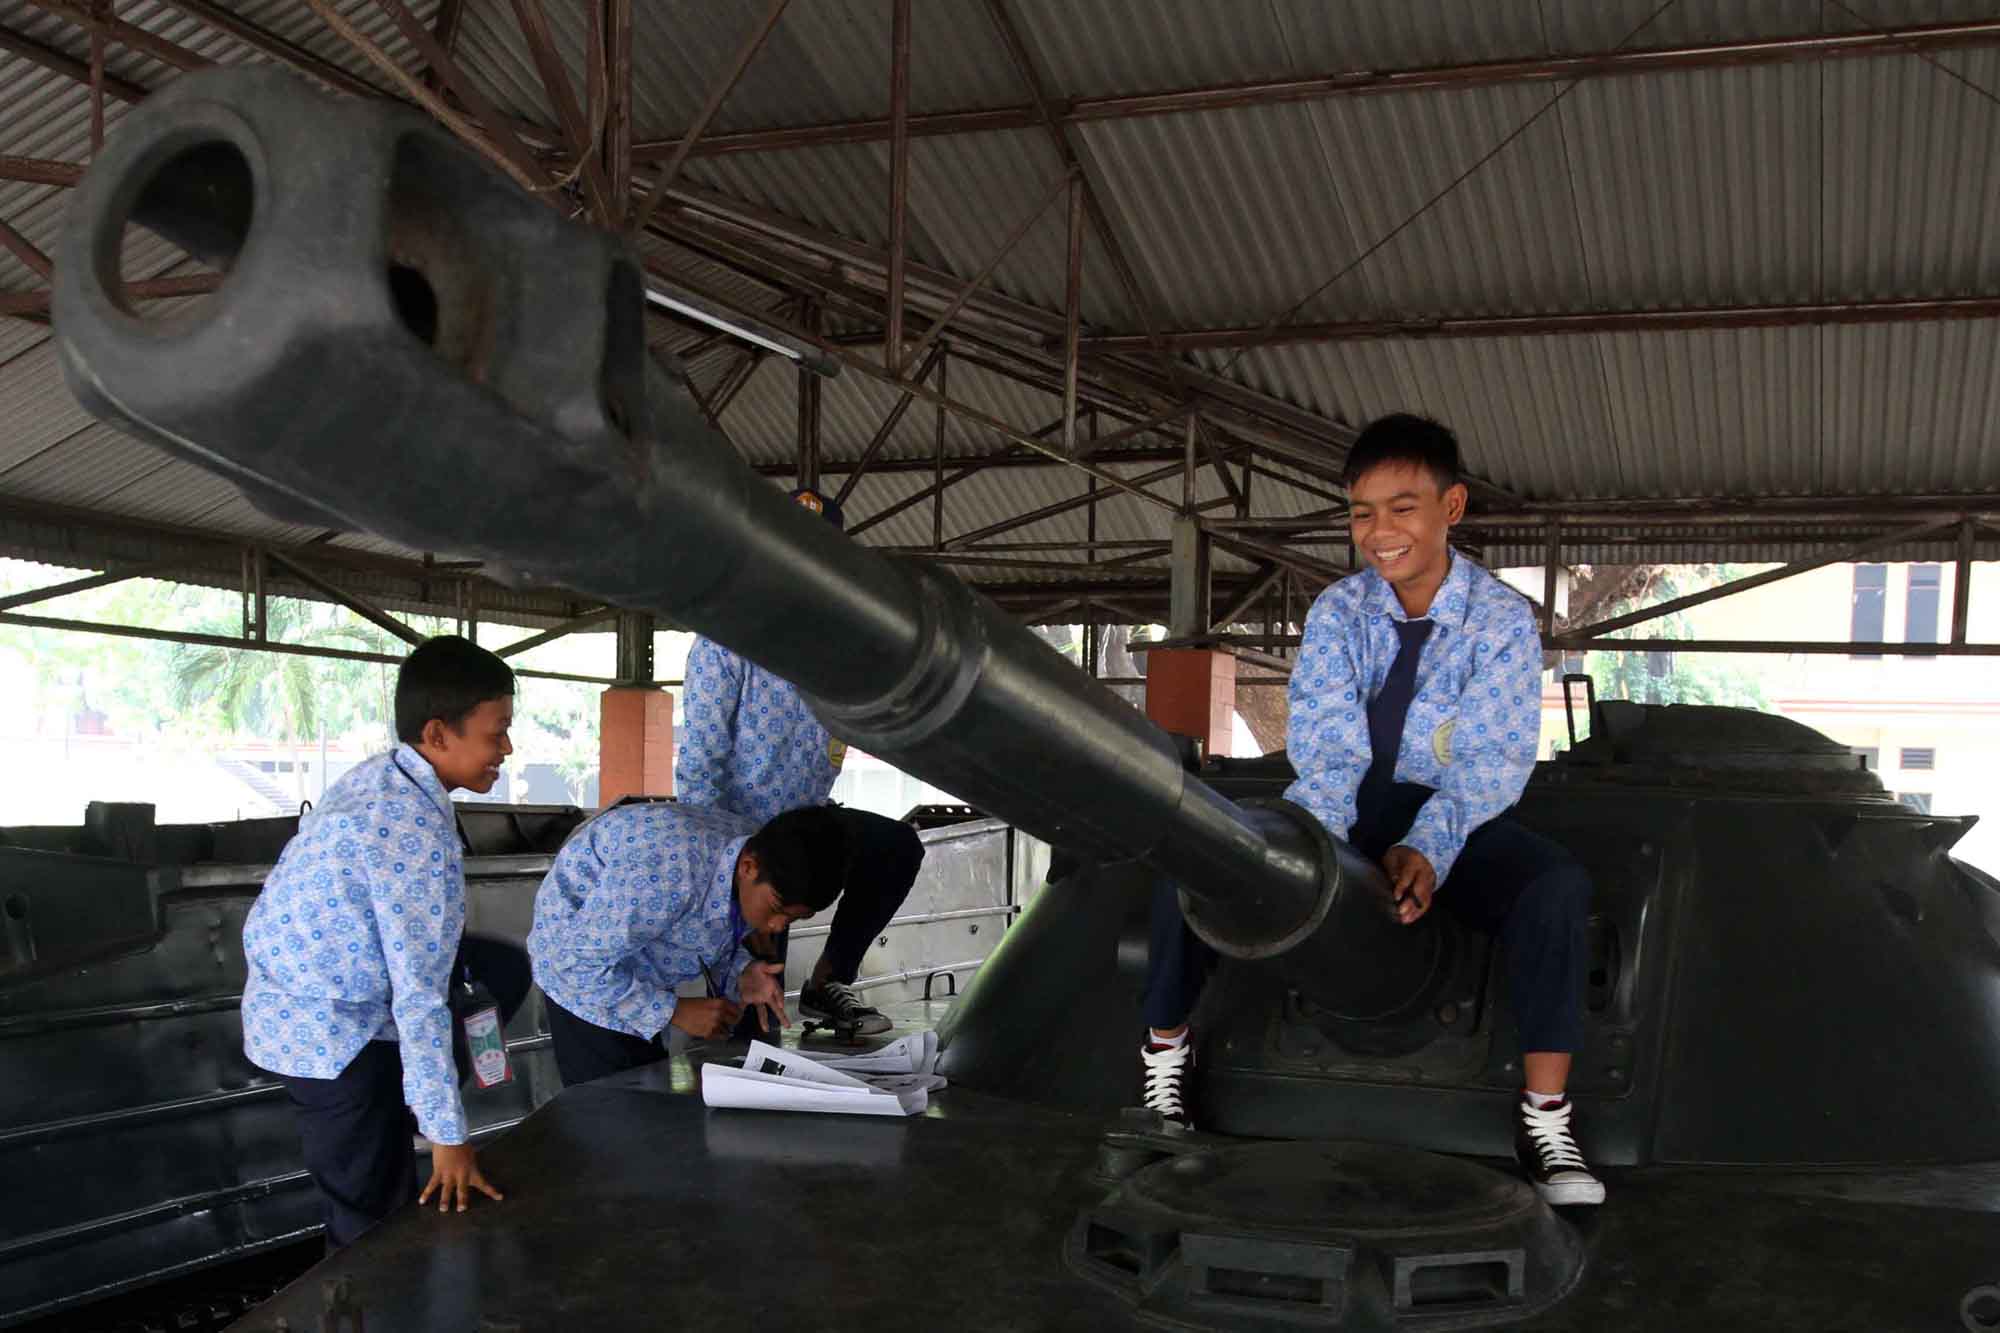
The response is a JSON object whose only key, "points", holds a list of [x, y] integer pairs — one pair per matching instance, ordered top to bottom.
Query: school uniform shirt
{"points": [[1474, 723], [748, 742], [639, 900], [353, 937]]}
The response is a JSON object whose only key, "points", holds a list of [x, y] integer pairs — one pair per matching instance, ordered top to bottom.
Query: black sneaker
{"points": [[836, 1003], [1166, 1089], [1548, 1153]]}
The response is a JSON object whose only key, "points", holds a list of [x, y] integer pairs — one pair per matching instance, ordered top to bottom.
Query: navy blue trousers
{"points": [[879, 865], [1509, 882], [585, 1051], [355, 1128]]}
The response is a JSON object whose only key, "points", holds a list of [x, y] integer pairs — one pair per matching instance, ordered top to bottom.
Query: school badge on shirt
{"points": [[1441, 740], [836, 752]]}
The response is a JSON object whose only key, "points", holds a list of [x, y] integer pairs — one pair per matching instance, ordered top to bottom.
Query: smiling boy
{"points": [[1415, 717], [350, 948]]}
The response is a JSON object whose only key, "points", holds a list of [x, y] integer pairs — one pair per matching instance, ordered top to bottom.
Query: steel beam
{"points": [[616, 23], [128, 35], [13, 43], [284, 52], [1540, 68], [718, 93], [576, 126], [497, 127], [40, 170], [899, 177], [26, 251], [146, 289], [1072, 311], [1811, 314], [943, 320], [864, 366], [937, 465], [859, 468], [1841, 555], [1961, 585], [33, 595], [360, 606], [1234, 611], [588, 620], [249, 645], [1821, 647]]}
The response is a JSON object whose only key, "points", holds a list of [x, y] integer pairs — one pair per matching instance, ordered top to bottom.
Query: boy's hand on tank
{"points": [[1412, 881], [763, 984], [713, 1019], [454, 1175]]}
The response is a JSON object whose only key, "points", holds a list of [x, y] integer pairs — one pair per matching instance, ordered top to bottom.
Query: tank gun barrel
{"points": [[406, 344]]}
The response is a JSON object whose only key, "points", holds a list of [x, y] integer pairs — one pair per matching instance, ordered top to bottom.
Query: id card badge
{"points": [[483, 1038]]}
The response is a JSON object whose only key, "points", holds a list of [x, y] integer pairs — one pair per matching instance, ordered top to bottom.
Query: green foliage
{"points": [[1674, 678], [63, 681]]}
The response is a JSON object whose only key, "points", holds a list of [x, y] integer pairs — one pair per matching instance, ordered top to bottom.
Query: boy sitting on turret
{"points": [[1415, 717]]}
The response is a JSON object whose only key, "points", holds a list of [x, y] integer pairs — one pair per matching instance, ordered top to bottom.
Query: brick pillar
{"points": [[1192, 692], [635, 743]]}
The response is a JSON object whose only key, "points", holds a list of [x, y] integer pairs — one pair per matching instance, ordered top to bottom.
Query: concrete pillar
{"points": [[1192, 692], [635, 721], [635, 743]]}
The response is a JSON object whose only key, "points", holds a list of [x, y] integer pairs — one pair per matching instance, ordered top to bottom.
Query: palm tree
{"points": [[291, 696]]}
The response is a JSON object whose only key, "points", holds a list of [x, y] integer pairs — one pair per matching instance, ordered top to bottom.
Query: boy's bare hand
{"points": [[1412, 881], [763, 984], [713, 1018], [454, 1175]]}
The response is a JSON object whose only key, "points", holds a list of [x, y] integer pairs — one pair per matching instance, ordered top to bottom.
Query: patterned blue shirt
{"points": [[1472, 729], [748, 742], [639, 900], [353, 938]]}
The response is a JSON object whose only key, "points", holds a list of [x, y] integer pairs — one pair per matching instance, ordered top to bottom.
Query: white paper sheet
{"points": [[914, 1054], [747, 1089]]}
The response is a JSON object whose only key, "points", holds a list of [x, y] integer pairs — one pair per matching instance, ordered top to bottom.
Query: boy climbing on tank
{"points": [[1415, 717], [351, 948]]}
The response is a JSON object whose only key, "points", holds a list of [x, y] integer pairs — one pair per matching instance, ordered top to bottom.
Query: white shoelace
{"points": [[1163, 1077], [1550, 1131]]}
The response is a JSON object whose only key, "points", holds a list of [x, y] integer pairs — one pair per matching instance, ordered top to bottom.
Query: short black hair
{"points": [[1404, 437], [446, 678], [803, 855]]}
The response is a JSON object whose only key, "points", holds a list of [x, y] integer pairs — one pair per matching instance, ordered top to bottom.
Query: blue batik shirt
{"points": [[1474, 724], [748, 742], [639, 900], [353, 938]]}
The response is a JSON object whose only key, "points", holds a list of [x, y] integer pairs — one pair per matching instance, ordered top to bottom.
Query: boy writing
{"points": [[646, 897], [351, 944]]}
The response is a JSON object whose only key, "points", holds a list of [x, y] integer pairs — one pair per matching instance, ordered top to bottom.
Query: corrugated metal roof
{"points": [[1808, 181]]}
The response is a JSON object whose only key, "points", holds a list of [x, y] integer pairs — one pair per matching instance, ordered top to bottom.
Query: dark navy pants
{"points": [[883, 858], [879, 865], [1510, 882], [585, 1051], [355, 1128], [358, 1141]]}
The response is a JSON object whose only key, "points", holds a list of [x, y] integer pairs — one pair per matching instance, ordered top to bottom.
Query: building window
{"points": [[1871, 596], [1920, 620], [1919, 760], [1918, 801]]}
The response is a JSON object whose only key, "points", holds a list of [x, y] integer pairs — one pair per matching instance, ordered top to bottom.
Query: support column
{"points": [[1192, 692], [635, 721]]}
